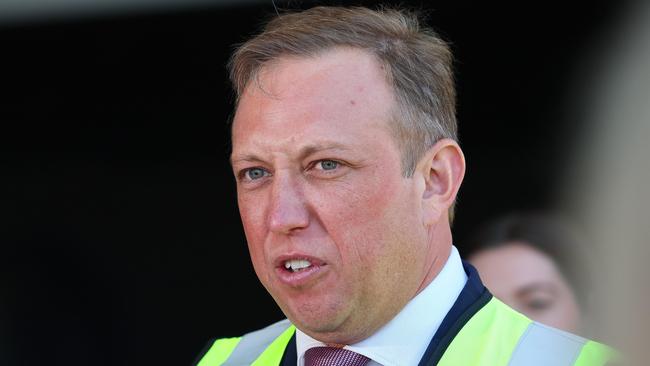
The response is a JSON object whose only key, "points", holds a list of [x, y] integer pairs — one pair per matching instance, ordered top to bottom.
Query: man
{"points": [[347, 170]]}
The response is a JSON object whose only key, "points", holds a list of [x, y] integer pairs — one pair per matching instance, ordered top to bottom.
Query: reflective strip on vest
{"points": [[541, 345], [263, 347]]}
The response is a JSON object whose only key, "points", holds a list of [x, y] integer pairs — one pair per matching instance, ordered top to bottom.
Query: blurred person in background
{"points": [[609, 180], [528, 261]]}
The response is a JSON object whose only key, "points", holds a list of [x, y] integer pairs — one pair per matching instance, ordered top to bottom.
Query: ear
{"points": [[442, 168]]}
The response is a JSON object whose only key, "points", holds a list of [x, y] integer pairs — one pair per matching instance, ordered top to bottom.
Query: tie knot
{"points": [[331, 356]]}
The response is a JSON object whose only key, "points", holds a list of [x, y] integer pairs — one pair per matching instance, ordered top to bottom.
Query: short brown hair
{"points": [[417, 61]]}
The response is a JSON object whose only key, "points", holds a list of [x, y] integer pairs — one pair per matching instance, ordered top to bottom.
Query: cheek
{"points": [[364, 200], [252, 212], [252, 215], [352, 216], [371, 228], [569, 306]]}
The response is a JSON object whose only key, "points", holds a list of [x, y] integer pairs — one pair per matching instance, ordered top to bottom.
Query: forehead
{"points": [[341, 67], [338, 91], [517, 263]]}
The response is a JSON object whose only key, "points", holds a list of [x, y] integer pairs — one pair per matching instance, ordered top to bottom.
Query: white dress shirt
{"points": [[404, 339]]}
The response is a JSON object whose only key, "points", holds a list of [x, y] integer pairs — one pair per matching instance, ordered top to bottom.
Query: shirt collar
{"points": [[404, 339]]}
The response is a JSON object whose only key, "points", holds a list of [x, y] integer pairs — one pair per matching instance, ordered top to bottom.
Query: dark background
{"points": [[120, 238]]}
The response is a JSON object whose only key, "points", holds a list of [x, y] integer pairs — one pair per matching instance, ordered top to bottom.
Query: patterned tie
{"points": [[331, 356]]}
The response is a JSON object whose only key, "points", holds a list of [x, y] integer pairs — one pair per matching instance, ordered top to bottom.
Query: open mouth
{"points": [[297, 265], [298, 270]]}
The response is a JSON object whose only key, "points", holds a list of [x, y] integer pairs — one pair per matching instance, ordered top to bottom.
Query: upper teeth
{"points": [[296, 264]]}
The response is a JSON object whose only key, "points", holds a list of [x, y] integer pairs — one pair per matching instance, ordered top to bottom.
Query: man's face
{"points": [[334, 230]]}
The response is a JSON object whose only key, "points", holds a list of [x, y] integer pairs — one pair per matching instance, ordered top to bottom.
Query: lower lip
{"points": [[300, 278]]}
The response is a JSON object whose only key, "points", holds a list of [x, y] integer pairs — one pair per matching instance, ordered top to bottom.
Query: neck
{"points": [[439, 250]]}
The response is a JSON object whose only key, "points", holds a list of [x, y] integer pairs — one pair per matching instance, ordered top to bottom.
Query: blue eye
{"points": [[328, 164], [255, 173]]}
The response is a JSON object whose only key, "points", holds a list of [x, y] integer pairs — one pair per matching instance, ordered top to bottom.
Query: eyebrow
{"points": [[303, 152], [245, 157], [537, 286]]}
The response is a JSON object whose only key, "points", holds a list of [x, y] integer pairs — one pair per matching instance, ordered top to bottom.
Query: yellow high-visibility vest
{"points": [[496, 335]]}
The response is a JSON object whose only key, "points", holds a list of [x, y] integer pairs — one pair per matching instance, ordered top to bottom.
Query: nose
{"points": [[288, 211]]}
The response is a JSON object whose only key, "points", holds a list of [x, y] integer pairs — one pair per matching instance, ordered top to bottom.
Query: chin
{"points": [[316, 318], [331, 334]]}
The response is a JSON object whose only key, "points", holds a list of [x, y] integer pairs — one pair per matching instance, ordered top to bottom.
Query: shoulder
{"points": [[499, 335], [268, 342], [551, 346]]}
